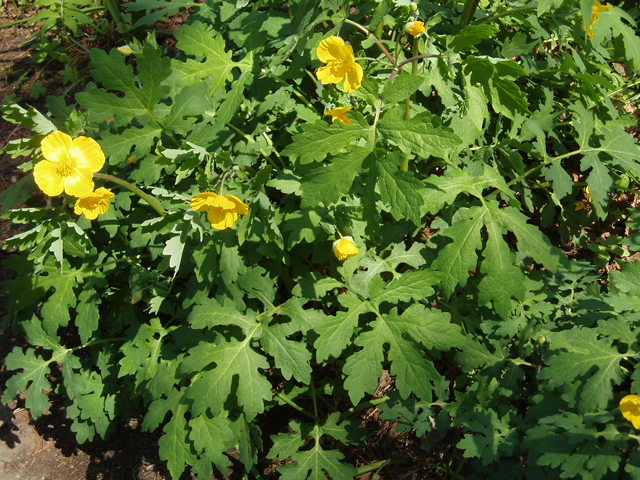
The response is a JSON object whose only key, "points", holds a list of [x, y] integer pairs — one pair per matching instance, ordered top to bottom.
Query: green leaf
{"points": [[469, 36], [199, 40], [111, 70], [401, 87], [188, 103], [422, 135], [320, 139], [622, 147], [562, 182], [328, 183], [600, 183], [400, 189], [18, 193], [532, 239], [458, 258], [377, 264], [503, 280], [412, 285], [55, 311], [87, 312], [334, 333], [142, 352], [579, 352], [291, 357], [232, 359], [35, 368], [414, 373], [491, 433], [211, 437], [174, 445], [313, 463]]}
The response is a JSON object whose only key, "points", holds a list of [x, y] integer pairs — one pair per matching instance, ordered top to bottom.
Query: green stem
{"points": [[531, 6], [470, 7], [114, 9], [17, 22], [364, 30], [419, 57], [371, 59], [296, 92], [251, 140], [275, 152], [153, 203], [96, 342], [313, 397], [363, 406], [296, 407], [373, 466]]}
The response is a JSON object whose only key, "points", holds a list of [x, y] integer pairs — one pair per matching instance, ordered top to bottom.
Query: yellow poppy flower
{"points": [[596, 9], [414, 28], [340, 65], [339, 113], [68, 165], [94, 204], [222, 210], [345, 248], [630, 408]]}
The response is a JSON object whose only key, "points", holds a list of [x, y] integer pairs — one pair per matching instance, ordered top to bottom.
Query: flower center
{"points": [[66, 167]]}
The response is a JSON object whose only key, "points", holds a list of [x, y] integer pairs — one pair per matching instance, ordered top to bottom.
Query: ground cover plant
{"points": [[299, 197]]}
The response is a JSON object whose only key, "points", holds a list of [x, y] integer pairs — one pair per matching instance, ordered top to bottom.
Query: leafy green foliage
{"points": [[469, 175]]}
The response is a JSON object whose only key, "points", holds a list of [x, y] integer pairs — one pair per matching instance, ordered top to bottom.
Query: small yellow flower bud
{"points": [[413, 6], [414, 28], [125, 50], [345, 248]]}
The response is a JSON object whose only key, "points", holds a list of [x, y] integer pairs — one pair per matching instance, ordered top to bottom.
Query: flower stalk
{"points": [[147, 198]]}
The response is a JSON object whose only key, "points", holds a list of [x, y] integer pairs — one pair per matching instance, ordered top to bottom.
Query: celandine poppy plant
{"points": [[94, 204]]}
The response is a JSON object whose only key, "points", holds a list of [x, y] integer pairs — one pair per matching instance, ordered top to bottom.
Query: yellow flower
{"points": [[596, 9], [414, 28], [340, 65], [339, 113], [68, 165], [94, 204], [580, 204], [222, 211], [345, 248], [630, 408]]}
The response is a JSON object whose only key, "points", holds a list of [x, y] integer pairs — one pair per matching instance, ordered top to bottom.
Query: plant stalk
{"points": [[153, 203]]}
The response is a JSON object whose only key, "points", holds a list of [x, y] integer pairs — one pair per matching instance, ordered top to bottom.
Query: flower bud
{"points": [[414, 7], [414, 28], [125, 50]]}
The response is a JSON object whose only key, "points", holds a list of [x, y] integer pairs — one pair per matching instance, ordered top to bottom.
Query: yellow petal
{"points": [[414, 28], [332, 48], [330, 74], [353, 78], [339, 113], [55, 146], [87, 154], [47, 178], [79, 183], [103, 193], [205, 201], [200, 203], [239, 206], [220, 219], [344, 248], [630, 408]]}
